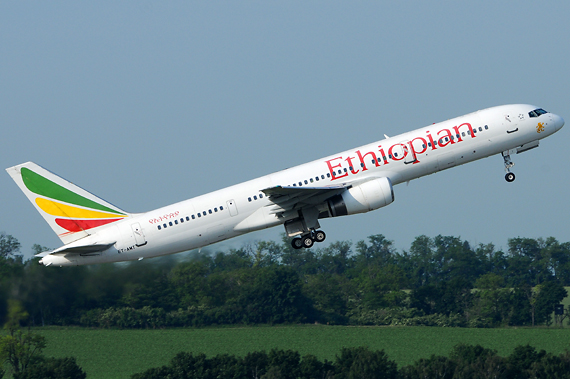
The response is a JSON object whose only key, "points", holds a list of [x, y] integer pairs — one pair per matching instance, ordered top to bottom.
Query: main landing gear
{"points": [[509, 176], [307, 240]]}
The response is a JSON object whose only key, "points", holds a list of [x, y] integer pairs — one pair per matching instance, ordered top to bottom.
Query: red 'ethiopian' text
{"points": [[405, 150]]}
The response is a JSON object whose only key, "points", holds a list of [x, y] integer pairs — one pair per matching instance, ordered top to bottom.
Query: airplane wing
{"points": [[288, 198]]}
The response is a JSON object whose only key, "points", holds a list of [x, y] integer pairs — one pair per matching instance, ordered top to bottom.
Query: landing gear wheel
{"points": [[509, 177], [320, 236], [308, 242], [297, 243]]}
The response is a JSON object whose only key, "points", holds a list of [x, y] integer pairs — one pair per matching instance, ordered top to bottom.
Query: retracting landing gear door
{"points": [[139, 235]]}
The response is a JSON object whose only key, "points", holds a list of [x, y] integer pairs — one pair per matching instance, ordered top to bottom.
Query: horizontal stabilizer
{"points": [[81, 249]]}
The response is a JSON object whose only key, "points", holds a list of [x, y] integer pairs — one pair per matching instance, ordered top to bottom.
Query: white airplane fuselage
{"points": [[251, 205]]}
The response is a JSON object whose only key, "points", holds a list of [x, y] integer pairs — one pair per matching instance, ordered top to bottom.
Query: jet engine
{"points": [[365, 197]]}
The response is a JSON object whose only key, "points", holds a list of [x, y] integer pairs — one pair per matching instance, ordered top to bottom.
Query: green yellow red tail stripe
{"points": [[73, 211]]}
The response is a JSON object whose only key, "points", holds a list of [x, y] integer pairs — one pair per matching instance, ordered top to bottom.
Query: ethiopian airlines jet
{"points": [[353, 181]]}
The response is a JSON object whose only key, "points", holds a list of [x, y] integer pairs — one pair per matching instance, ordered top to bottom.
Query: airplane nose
{"points": [[558, 122]]}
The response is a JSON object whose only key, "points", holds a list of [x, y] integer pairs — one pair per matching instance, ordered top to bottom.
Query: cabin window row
{"points": [[463, 134], [316, 179], [255, 197], [187, 218]]}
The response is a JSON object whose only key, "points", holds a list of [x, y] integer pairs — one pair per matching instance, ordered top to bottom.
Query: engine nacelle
{"points": [[365, 197]]}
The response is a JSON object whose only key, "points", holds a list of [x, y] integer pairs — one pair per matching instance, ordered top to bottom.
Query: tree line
{"points": [[438, 281], [464, 361]]}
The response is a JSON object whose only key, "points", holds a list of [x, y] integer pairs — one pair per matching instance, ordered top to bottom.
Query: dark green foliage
{"points": [[440, 281], [550, 294], [274, 295], [520, 314], [464, 361], [360, 362], [285, 364], [187, 365], [433, 367], [551, 367], [53, 368]]}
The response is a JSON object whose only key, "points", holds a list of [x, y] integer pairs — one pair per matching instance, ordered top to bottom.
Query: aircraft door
{"points": [[402, 151], [409, 154], [232, 207], [140, 239]]}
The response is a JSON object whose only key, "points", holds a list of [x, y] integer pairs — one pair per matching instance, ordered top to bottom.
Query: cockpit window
{"points": [[537, 112]]}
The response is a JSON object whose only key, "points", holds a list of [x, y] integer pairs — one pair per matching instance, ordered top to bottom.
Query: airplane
{"points": [[354, 181]]}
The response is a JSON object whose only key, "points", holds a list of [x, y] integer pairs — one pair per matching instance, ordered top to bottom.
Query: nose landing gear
{"points": [[509, 176]]}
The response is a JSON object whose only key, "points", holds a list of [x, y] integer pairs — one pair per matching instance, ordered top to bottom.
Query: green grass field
{"points": [[120, 353]]}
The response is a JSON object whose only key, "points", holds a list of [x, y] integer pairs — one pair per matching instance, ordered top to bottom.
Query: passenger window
{"points": [[486, 127], [480, 129], [463, 134], [423, 145], [328, 175], [322, 176], [317, 178], [311, 180], [306, 182], [300, 184], [294, 185], [261, 196], [255, 197], [249, 199], [221, 208], [215, 209], [209, 211], [204, 213], [199, 215], [193, 217], [187, 218], [181, 220], [176, 222], [170, 223], [164, 226], [159, 227]]}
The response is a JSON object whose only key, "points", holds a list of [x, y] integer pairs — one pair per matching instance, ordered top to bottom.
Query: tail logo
{"points": [[72, 211]]}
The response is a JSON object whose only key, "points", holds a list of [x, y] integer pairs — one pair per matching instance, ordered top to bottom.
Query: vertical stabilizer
{"points": [[72, 212]]}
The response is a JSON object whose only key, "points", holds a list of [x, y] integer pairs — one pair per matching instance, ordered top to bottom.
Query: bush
{"points": [[53, 368]]}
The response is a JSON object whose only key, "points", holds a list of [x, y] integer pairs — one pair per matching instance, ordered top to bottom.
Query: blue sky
{"points": [[150, 103]]}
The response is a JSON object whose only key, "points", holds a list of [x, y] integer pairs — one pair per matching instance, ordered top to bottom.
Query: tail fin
{"points": [[72, 212]]}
